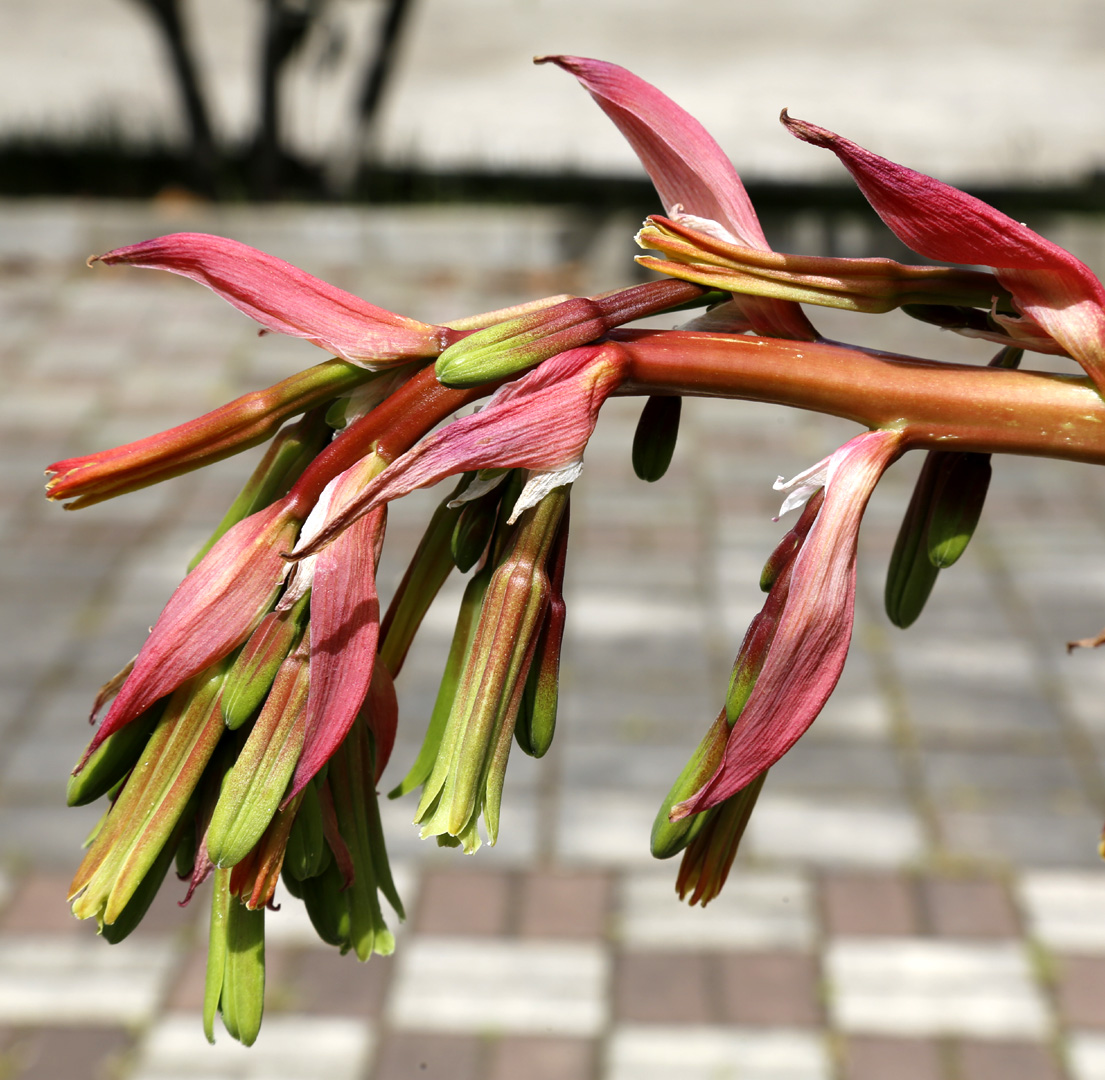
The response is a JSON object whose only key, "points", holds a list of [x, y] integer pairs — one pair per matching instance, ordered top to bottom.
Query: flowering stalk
{"points": [[932, 405], [247, 738]]}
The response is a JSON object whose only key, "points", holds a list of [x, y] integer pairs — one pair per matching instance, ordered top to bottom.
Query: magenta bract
{"points": [[1050, 286], [287, 300], [811, 641]]}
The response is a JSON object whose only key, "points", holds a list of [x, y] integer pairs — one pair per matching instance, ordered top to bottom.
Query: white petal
{"points": [[705, 225], [485, 480], [540, 484], [799, 488], [300, 575]]}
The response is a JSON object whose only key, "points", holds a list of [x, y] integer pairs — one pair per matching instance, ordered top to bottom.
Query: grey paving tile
{"points": [[829, 768], [966, 778], [1040, 839]]}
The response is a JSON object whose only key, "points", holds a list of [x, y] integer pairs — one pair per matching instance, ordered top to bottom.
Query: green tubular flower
{"points": [[514, 345], [940, 520], [430, 566], [459, 649], [251, 675], [536, 722], [110, 762], [468, 773], [352, 780], [256, 783], [152, 801], [710, 852], [307, 855], [235, 983]]}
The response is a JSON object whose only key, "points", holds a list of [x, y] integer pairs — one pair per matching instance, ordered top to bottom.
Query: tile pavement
{"points": [[920, 896]]}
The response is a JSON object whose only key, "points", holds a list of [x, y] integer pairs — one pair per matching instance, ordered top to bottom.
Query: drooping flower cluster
{"points": [[245, 740]]}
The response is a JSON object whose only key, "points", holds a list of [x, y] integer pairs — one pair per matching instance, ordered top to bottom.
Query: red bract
{"points": [[691, 173], [1050, 286], [287, 300], [541, 422], [214, 609], [345, 629], [808, 650]]}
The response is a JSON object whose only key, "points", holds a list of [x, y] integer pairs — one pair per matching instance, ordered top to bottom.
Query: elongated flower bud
{"points": [[702, 251], [510, 347], [230, 429], [655, 437], [957, 507], [475, 526], [911, 574], [459, 649], [251, 675], [536, 722], [112, 759], [255, 785], [670, 837], [307, 854], [254, 878], [143, 895], [342, 899], [235, 983]]}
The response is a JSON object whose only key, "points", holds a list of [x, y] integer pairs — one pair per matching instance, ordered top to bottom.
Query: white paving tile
{"points": [[608, 615], [610, 828], [822, 832], [1066, 909], [755, 910], [46, 980], [463, 984], [914, 987], [288, 1048], [711, 1053], [1086, 1056]]}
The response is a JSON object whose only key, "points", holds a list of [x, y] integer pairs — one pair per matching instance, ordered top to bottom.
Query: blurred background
{"points": [[919, 894]]}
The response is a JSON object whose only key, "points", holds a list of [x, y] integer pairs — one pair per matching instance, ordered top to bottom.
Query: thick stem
{"points": [[935, 405], [394, 426]]}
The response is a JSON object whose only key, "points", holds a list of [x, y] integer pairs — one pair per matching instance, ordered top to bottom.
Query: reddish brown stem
{"points": [[935, 405], [393, 427]]}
